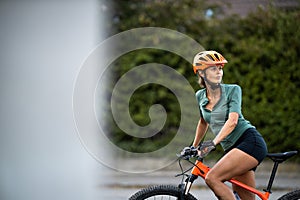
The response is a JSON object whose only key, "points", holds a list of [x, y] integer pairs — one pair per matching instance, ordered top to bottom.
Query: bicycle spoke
{"points": [[162, 197]]}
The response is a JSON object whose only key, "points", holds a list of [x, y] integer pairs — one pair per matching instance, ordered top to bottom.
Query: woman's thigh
{"points": [[234, 163]]}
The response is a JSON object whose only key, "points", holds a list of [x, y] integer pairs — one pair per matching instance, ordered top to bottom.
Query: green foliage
{"points": [[263, 51], [264, 62], [143, 98]]}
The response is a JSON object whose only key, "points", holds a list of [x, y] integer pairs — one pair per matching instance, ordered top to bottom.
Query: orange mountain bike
{"points": [[182, 191]]}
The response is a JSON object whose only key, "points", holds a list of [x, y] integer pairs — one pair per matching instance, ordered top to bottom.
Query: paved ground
{"points": [[118, 185], [201, 194]]}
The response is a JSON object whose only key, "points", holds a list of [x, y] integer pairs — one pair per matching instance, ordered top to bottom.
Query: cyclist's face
{"points": [[213, 74]]}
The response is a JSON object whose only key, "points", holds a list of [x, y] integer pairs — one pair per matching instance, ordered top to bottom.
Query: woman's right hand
{"points": [[189, 151]]}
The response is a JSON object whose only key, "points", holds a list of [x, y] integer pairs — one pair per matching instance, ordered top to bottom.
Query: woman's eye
{"points": [[216, 69]]}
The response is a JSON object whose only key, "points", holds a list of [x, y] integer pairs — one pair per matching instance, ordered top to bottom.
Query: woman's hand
{"points": [[205, 148], [189, 151]]}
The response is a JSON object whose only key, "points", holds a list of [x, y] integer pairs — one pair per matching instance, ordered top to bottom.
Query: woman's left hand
{"points": [[206, 147]]}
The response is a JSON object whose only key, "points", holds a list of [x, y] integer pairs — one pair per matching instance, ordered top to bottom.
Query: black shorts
{"points": [[252, 143]]}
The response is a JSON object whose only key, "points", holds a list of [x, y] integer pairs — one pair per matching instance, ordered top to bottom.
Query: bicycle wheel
{"points": [[160, 192], [294, 195]]}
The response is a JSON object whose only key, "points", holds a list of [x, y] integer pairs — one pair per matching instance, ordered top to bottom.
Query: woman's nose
{"points": [[219, 69]]}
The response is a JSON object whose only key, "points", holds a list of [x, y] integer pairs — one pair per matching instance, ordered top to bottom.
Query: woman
{"points": [[220, 109]]}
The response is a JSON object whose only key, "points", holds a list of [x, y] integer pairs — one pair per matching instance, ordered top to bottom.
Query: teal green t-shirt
{"points": [[230, 101]]}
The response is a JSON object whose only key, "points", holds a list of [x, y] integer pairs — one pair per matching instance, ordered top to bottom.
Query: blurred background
{"points": [[260, 39], [44, 43]]}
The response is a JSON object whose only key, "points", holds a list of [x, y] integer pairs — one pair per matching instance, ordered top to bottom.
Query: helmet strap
{"points": [[212, 85]]}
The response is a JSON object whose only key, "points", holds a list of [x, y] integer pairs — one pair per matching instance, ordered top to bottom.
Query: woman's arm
{"points": [[228, 127], [200, 131]]}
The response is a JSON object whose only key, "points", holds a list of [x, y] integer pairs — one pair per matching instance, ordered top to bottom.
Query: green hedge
{"points": [[263, 51]]}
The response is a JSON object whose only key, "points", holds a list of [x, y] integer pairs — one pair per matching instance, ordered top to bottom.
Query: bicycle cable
{"points": [[183, 172]]}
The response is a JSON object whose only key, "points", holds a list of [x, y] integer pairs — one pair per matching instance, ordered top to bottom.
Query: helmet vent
{"points": [[216, 55], [210, 57], [203, 59]]}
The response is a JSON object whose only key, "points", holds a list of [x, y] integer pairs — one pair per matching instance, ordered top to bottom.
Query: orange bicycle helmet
{"points": [[205, 59]]}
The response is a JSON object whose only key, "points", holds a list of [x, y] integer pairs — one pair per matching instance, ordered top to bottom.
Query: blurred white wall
{"points": [[42, 45]]}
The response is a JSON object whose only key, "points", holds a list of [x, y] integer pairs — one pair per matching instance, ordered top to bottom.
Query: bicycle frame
{"points": [[200, 169]]}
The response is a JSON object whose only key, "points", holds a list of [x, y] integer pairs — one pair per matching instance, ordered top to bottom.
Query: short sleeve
{"points": [[198, 98], [235, 100]]}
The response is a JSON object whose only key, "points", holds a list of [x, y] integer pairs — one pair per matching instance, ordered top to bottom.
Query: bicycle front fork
{"points": [[188, 183]]}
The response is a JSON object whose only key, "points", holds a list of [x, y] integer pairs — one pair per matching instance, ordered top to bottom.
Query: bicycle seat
{"points": [[281, 157]]}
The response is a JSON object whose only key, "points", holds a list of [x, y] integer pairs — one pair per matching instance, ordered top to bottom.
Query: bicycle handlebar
{"points": [[188, 152]]}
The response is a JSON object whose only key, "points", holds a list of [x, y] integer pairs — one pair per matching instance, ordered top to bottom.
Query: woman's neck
{"points": [[214, 93]]}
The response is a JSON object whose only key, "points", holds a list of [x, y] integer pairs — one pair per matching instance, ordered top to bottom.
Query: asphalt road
{"points": [[119, 185], [125, 193]]}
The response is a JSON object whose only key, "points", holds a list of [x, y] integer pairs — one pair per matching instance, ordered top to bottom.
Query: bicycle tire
{"points": [[161, 191], [293, 195]]}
